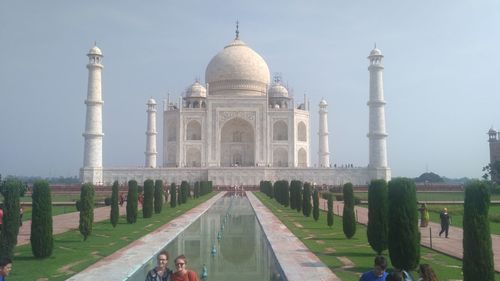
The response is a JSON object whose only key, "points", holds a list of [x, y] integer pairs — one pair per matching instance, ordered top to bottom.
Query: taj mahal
{"points": [[237, 128]]}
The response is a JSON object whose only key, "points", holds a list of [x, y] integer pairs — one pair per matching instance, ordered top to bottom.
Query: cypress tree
{"points": [[196, 189], [270, 189], [293, 190], [184, 191], [173, 195], [179, 196], [298, 197], [306, 200], [132, 202], [158, 202], [316, 205], [147, 208], [86, 210], [115, 211], [348, 216], [329, 218], [11, 221], [377, 228], [404, 235], [42, 241], [478, 256]]}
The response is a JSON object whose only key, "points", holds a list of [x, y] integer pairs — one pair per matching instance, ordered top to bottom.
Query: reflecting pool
{"points": [[228, 241]]}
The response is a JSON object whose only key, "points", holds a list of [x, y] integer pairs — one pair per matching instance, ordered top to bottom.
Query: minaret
{"points": [[377, 134], [151, 135], [324, 152], [92, 155]]}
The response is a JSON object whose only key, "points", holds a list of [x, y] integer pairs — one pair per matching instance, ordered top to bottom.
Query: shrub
{"points": [[173, 196], [339, 197], [132, 198], [306, 200], [107, 201], [158, 202], [78, 205], [316, 205], [147, 208], [86, 210], [115, 211], [348, 216], [329, 218], [11, 220], [377, 228], [404, 235], [42, 241], [477, 256]]}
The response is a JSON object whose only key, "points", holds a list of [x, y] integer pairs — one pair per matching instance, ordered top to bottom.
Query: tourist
{"points": [[122, 199], [21, 212], [424, 215], [1, 218], [445, 222], [5, 268], [161, 272], [182, 273], [378, 273], [426, 273], [405, 275], [394, 276]]}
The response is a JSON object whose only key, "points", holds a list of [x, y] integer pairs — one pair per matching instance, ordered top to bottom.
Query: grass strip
{"points": [[71, 254], [348, 258]]}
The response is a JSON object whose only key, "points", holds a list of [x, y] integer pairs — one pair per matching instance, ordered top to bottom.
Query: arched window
{"points": [[193, 130], [280, 131], [301, 132], [302, 158]]}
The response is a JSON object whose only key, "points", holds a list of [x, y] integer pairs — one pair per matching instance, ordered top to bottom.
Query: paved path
{"points": [[65, 222], [450, 246]]}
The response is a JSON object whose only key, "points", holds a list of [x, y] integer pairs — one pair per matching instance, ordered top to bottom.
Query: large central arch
{"points": [[237, 147]]}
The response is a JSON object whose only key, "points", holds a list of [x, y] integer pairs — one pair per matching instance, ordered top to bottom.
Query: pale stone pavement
{"points": [[65, 222], [451, 246]]}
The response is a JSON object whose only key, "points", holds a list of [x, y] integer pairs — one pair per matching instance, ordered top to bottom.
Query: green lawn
{"points": [[431, 196], [62, 198], [56, 210], [331, 246], [72, 254]]}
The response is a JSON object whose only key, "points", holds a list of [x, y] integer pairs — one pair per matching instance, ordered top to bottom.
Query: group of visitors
{"points": [[444, 218], [5, 268], [162, 273], [379, 274]]}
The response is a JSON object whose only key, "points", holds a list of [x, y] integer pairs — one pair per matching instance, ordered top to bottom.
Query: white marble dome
{"points": [[95, 51], [375, 52], [238, 70], [196, 90], [278, 91], [151, 102]]}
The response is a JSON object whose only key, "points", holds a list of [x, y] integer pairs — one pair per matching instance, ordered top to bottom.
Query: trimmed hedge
{"points": [[11, 190], [306, 200], [132, 201], [158, 202], [316, 205], [147, 207], [86, 210], [114, 214], [348, 215], [329, 217], [377, 229], [42, 241], [478, 256]]}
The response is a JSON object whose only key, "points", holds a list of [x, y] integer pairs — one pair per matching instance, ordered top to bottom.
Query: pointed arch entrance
{"points": [[237, 147]]}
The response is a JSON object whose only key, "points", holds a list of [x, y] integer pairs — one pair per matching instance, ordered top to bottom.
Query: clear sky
{"points": [[441, 74]]}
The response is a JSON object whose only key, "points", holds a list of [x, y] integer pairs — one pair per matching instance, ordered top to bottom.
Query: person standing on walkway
{"points": [[122, 199], [21, 212], [424, 215], [445, 222], [5, 268], [161, 272], [182, 273], [378, 273], [426, 273]]}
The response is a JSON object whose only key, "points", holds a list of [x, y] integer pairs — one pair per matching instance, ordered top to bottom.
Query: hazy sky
{"points": [[441, 74]]}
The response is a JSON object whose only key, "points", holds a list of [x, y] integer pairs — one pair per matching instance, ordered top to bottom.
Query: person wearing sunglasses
{"points": [[182, 273]]}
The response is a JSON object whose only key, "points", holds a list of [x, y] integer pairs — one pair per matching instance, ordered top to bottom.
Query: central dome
{"points": [[237, 70]]}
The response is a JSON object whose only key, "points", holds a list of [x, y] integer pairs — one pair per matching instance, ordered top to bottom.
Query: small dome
{"points": [[95, 51], [376, 52], [237, 68], [196, 90], [277, 91], [151, 102], [323, 102], [492, 131]]}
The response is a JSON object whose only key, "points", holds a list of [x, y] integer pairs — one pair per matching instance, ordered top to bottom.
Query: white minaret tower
{"points": [[377, 134], [151, 135], [324, 152], [92, 155]]}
